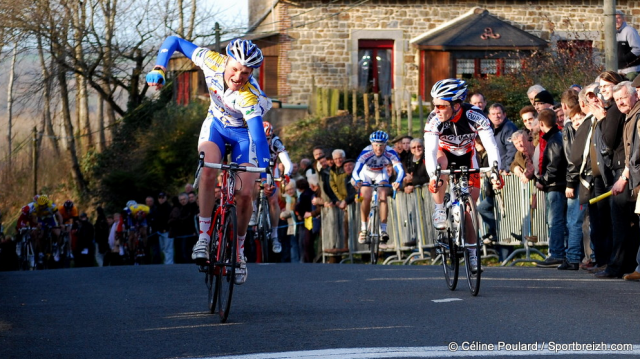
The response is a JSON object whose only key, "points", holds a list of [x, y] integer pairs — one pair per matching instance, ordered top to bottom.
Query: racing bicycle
{"points": [[463, 222], [373, 224], [25, 250], [220, 271]]}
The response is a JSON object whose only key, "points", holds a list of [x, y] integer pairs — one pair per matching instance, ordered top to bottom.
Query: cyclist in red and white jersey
{"points": [[450, 137]]}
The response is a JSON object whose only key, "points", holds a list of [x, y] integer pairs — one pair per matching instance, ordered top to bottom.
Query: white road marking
{"points": [[446, 300], [366, 328], [417, 352]]}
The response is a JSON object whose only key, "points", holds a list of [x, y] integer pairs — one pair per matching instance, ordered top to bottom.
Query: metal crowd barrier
{"points": [[409, 220]]}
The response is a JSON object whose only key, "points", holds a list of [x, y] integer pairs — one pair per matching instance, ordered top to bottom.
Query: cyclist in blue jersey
{"points": [[235, 118], [371, 168]]}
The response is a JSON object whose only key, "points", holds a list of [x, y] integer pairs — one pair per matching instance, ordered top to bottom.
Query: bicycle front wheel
{"points": [[374, 235], [227, 262], [450, 263], [474, 270], [210, 276]]}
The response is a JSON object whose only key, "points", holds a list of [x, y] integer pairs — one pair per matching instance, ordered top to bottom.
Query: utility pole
{"points": [[217, 32], [610, 43]]}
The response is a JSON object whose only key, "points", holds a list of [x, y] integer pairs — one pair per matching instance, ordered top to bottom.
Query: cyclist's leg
{"points": [[212, 144], [243, 152], [443, 161], [439, 214], [470, 232]]}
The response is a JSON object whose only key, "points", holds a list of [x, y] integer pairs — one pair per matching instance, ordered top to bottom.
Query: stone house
{"points": [[379, 45]]}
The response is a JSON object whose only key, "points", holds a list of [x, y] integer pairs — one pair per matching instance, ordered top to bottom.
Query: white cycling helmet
{"points": [[245, 52], [449, 90], [131, 203]]}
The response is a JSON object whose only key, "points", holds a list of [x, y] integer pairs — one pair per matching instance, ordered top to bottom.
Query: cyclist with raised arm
{"points": [[234, 118], [449, 137], [277, 152], [370, 168]]}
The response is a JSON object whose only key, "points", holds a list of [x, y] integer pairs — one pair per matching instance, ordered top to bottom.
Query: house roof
{"points": [[478, 30]]}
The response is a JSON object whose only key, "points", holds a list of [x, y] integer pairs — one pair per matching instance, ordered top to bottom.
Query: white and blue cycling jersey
{"points": [[234, 117], [371, 168]]}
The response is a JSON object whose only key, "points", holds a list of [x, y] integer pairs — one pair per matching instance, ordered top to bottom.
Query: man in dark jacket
{"points": [[503, 129], [551, 178], [161, 226], [83, 254]]}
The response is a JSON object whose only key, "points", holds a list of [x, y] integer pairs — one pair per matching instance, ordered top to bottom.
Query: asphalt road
{"points": [[314, 311]]}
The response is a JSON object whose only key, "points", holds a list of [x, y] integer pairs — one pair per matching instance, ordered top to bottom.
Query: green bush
{"points": [[330, 133], [152, 153]]}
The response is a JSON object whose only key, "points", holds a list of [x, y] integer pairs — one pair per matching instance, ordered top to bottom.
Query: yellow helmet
{"points": [[43, 200]]}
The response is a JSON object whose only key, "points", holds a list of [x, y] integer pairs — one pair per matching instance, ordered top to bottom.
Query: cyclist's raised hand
{"points": [[155, 78], [395, 186]]}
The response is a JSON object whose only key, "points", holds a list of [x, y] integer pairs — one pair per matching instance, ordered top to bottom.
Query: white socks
{"points": [[205, 228]]}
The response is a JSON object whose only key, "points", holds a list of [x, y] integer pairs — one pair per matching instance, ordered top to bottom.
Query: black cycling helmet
{"points": [[68, 204]]}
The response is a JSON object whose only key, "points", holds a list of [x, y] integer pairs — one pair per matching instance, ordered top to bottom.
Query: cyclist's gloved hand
{"points": [[156, 77], [497, 181], [433, 185]]}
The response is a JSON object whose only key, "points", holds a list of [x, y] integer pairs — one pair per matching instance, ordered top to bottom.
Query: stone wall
{"points": [[319, 34]]}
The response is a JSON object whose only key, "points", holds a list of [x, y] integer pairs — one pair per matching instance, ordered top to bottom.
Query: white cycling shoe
{"points": [[440, 219], [362, 237], [276, 247], [201, 251], [241, 272]]}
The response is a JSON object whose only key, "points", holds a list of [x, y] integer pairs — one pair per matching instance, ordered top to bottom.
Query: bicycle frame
{"points": [[460, 206]]}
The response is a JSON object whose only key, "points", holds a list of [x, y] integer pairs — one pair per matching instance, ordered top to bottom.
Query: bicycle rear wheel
{"points": [[374, 235], [226, 263], [473, 274]]}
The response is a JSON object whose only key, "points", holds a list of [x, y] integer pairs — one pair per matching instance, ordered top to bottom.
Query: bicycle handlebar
{"points": [[234, 167], [469, 170], [376, 185]]}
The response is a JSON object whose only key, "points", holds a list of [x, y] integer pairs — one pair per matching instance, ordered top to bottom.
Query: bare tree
{"points": [[12, 73], [47, 122]]}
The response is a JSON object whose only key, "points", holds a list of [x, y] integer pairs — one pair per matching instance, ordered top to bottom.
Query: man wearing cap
{"points": [[628, 47], [543, 100], [402, 144], [161, 226]]}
